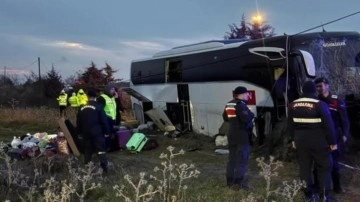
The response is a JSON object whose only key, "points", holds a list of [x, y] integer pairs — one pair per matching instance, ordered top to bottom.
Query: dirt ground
{"points": [[211, 184]]}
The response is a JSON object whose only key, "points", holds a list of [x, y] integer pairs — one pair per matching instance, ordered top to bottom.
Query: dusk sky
{"points": [[71, 33]]}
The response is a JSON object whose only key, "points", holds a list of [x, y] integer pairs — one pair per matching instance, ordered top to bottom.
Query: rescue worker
{"points": [[83, 98], [73, 100], [107, 100], [62, 101], [119, 107], [240, 120], [92, 125], [342, 127], [313, 136]]}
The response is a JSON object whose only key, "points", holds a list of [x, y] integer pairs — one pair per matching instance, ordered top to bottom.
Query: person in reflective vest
{"points": [[83, 99], [73, 100], [107, 100], [62, 101], [240, 120], [92, 125], [342, 127], [312, 133]]}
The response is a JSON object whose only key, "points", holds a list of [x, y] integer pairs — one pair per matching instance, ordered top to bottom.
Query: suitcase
{"points": [[123, 136], [136, 142], [150, 144]]}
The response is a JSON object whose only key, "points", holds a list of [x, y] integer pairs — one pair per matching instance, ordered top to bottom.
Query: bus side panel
{"points": [[158, 92], [208, 101], [214, 117], [199, 118]]}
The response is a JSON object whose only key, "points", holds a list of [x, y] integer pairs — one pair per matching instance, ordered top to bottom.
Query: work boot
{"points": [[105, 168], [229, 181], [337, 185], [235, 187], [245, 187], [339, 190], [309, 196], [327, 197], [313, 198]]}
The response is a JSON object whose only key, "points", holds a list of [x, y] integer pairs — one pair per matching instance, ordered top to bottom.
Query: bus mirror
{"points": [[308, 60]]}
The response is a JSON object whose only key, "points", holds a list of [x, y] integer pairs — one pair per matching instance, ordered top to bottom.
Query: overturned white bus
{"points": [[192, 83]]}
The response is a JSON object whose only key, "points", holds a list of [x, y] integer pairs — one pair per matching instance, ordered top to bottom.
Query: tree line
{"points": [[43, 90]]}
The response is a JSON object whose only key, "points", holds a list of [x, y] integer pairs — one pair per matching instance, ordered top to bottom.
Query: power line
{"points": [[328, 23], [29, 65], [26, 66], [46, 67]]}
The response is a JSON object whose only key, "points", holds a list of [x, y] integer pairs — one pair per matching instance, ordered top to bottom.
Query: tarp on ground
{"points": [[160, 119]]}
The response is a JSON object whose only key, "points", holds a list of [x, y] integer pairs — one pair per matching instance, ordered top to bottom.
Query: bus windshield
{"points": [[337, 59]]}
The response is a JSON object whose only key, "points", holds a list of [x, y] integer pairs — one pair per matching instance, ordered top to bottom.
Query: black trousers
{"points": [[62, 110], [110, 139], [95, 144], [320, 158], [238, 163], [335, 172], [334, 175]]}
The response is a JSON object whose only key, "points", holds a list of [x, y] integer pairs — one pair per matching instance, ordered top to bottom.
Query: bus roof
{"points": [[214, 45], [196, 48]]}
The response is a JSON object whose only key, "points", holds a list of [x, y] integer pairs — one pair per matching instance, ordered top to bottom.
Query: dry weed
{"points": [[169, 184]]}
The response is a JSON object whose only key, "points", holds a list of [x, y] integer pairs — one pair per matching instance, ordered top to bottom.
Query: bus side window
{"points": [[173, 71]]}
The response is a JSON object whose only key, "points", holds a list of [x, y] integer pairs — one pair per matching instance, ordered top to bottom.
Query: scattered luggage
{"points": [[123, 136], [136, 142], [150, 144]]}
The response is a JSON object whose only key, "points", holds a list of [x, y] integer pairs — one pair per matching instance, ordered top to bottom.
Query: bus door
{"points": [[179, 112]]}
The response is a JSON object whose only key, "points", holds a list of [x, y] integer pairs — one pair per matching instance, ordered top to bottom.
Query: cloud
{"points": [[64, 44], [16, 72]]}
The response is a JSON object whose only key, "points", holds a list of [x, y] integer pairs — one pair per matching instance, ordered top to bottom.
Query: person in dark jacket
{"points": [[240, 120], [92, 124], [342, 127], [312, 132]]}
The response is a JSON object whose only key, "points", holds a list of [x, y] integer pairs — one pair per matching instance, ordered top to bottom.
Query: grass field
{"points": [[208, 186]]}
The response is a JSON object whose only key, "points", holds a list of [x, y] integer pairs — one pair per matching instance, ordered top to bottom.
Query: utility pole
{"points": [[39, 69], [4, 74], [40, 84]]}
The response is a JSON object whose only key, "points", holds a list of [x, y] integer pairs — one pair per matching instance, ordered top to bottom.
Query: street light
{"points": [[257, 19], [257, 31]]}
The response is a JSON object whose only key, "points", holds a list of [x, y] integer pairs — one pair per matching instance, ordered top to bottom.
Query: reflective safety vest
{"points": [[82, 97], [62, 100], [74, 101], [110, 106]]}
